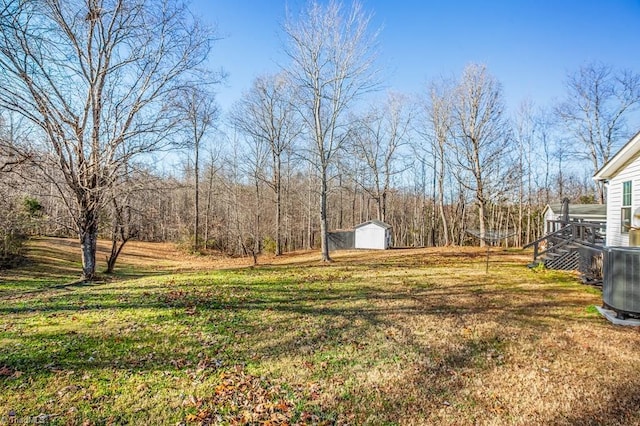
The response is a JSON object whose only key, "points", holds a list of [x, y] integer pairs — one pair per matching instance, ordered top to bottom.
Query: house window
{"points": [[625, 214]]}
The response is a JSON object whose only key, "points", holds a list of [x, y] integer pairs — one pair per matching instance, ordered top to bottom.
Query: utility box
{"points": [[621, 281]]}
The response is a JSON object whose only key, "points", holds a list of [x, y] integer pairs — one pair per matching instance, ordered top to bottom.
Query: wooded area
{"points": [[99, 97]]}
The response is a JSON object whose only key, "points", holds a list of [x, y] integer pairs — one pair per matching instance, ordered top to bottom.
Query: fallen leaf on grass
{"points": [[66, 390], [241, 398], [193, 401], [192, 418]]}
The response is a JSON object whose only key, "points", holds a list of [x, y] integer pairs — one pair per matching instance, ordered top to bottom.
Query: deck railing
{"points": [[560, 233], [590, 234]]}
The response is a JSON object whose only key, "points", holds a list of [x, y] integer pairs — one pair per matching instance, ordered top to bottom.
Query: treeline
{"points": [[121, 137], [237, 212]]}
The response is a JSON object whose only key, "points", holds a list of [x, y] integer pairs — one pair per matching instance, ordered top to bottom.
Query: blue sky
{"points": [[529, 46]]}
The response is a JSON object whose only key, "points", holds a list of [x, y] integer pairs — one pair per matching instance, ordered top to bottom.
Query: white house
{"points": [[622, 177], [577, 213], [373, 234]]}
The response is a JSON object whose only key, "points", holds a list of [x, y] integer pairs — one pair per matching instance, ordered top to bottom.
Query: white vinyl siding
{"points": [[630, 172]]}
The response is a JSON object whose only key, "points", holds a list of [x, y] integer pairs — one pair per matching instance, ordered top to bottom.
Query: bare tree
{"points": [[332, 53], [95, 78], [598, 103], [199, 111], [267, 115], [439, 119], [524, 134], [480, 135], [378, 141], [15, 144], [544, 156], [252, 163], [212, 169], [124, 210], [19, 214]]}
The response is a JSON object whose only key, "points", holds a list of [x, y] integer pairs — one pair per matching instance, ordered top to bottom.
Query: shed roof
{"points": [[620, 160], [580, 210], [379, 223]]}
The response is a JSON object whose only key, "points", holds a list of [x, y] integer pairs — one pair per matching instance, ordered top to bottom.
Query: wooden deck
{"points": [[572, 245]]}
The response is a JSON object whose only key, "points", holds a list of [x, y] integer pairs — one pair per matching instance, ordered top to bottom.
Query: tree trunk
{"points": [[278, 188], [600, 192], [480, 198], [354, 201], [196, 204], [383, 206], [208, 210], [309, 218], [481, 218], [445, 222], [278, 223], [520, 226], [432, 231], [324, 232], [118, 233], [528, 239], [257, 240], [88, 244], [116, 249]]}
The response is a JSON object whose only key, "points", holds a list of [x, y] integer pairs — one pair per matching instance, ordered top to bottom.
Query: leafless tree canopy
{"points": [[332, 52], [95, 78], [596, 108], [198, 111], [266, 114], [437, 127], [108, 128], [479, 135], [377, 140]]}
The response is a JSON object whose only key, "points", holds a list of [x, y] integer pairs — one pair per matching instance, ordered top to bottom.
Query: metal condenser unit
{"points": [[621, 280]]}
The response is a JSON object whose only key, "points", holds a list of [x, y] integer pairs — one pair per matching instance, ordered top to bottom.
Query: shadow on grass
{"points": [[336, 310], [261, 315], [619, 408]]}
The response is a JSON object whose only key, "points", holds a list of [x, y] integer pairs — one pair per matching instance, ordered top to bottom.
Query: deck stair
{"points": [[570, 246], [567, 259]]}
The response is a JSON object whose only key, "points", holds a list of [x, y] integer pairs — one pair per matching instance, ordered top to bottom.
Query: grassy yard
{"points": [[420, 336]]}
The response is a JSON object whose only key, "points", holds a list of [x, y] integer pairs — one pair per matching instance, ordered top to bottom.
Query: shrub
{"points": [[19, 217], [269, 245]]}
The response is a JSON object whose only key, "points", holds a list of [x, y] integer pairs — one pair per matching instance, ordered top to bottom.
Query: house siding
{"points": [[630, 172]]}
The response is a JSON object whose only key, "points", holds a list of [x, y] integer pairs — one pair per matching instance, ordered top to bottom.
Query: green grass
{"points": [[399, 339], [89, 347]]}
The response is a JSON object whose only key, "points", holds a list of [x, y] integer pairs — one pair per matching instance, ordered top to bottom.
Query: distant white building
{"points": [[622, 176], [577, 213], [373, 234]]}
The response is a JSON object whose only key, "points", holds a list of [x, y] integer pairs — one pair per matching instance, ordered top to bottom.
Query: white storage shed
{"points": [[373, 234]]}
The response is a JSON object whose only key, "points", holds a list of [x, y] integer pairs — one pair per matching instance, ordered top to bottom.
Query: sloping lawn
{"points": [[399, 337]]}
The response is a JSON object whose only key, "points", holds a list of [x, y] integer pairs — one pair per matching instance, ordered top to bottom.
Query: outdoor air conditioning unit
{"points": [[621, 280]]}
